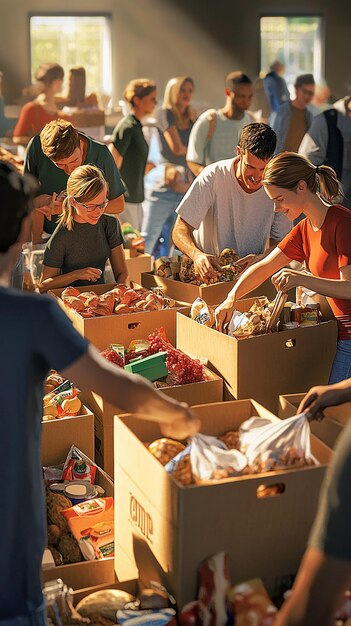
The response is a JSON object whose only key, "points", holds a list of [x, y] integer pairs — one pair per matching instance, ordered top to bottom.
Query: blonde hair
{"points": [[139, 87], [171, 95], [286, 169], [84, 184]]}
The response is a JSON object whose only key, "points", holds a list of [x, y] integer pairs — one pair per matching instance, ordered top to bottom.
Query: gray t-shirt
{"points": [[222, 144], [225, 216], [87, 245]]}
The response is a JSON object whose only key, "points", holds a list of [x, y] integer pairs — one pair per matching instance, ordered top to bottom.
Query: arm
{"points": [[23, 130], [172, 137], [314, 144], [196, 152], [118, 158], [196, 168], [115, 206], [182, 236], [118, 264], [253, 277], [51, 278], [286, 279], [132, 393], [319, 398], [317, 592]]}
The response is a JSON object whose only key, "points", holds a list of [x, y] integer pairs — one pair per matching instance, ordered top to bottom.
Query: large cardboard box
{"points": [[137, 264], [212, 294], [102, 331], [265, 366], [193, 393], [329, 429], [58, 435], [164, 531], [86, 573]]}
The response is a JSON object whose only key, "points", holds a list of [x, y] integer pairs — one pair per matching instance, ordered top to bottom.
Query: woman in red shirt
{"points": [[36, 114], [322, 240]]}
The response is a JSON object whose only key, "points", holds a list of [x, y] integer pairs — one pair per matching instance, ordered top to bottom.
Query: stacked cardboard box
{"points": [[164, 530]]}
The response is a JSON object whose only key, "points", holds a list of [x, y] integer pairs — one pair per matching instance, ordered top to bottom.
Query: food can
{"points": [[290, 326], [77, 491]]}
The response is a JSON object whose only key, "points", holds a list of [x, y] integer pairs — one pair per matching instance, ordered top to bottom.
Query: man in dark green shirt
{"points": [[52, 156], [325, 570]]}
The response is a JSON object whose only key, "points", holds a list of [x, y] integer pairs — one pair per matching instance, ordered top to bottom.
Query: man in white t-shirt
{"points": [[215, 134], [226, 206]]}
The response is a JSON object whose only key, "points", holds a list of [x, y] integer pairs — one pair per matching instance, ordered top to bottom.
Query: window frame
{"points": [[105, 14], [311, 14]]}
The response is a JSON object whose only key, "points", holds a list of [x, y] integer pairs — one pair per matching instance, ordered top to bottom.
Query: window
{"points": [[74, 41], [296, 42]]}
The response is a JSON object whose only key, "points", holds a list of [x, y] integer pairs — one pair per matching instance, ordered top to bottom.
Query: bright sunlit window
{"points": [[73, 41], [295, 41]]}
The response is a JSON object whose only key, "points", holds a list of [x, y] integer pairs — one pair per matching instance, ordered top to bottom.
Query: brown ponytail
{"points": [[286, 169]]}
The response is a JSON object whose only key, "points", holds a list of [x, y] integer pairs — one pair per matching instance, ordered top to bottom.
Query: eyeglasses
{"points": [[93, 207]]}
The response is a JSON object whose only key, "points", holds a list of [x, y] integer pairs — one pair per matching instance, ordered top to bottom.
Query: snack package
{"points": [[202, 313], [272, 445], [212, 460], [78, 467], [180, 468], [91, 523], [213, 586], [249, 603]]}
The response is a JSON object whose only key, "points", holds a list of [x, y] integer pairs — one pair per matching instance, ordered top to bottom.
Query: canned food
{"points": [[290, 326]]}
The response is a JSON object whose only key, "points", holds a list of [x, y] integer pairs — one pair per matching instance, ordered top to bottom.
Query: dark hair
{"points": [[48, 72], [233, 79], [304, 79], [59, 139], [259, 139], [288, 168], [16, 193]]}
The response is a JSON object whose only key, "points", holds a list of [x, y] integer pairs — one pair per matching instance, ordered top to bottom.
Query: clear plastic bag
{"points": [[33, 261], [272, 445], [211, 459]]}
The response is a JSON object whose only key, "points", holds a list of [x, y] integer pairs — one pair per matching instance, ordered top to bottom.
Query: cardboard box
{"points": [[137, 264], [212, 294], [102, 331], [265, 366], [193, 393], [329, 429], [58, 435], [164, 531], [86, 573]]}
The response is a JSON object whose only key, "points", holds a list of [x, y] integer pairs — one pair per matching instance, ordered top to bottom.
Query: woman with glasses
{"points": [[85, 237]]}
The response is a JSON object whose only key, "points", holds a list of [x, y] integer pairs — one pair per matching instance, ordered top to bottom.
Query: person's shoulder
{"points": [[284, 107], [205, 116], [127, 123], [34, 145], [218, 168], [340, 215], [108, 221], [33, 304]]}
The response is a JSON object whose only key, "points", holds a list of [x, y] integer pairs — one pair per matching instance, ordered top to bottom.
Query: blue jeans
{"points": [[159, 207], [341, 368]]}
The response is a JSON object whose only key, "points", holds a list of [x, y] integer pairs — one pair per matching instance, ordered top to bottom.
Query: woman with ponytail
{"points": [[85, 238], [322, 240]]}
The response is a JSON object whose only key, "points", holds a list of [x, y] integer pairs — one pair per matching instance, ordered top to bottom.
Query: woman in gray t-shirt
{"points": [[85, 238]]}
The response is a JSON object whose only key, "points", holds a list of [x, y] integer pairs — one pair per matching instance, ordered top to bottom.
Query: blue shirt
{"points": [[35, 335]]}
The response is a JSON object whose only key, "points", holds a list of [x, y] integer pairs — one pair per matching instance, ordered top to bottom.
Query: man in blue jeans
{"points": [[35, 335]]}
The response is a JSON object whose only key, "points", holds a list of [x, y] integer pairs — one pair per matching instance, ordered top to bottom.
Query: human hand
{"points": [[49, 205], [248, 260], [205, 265], [91, 274], [287, 279], [223, 313], [319, 398], [182, 423]]}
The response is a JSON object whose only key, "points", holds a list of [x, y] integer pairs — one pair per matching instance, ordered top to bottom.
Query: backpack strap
{"points": [[212, 119], [335, 146]]}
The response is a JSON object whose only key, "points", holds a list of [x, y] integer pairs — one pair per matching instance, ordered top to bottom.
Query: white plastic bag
{"points": [[272, 445], [210, 457]]}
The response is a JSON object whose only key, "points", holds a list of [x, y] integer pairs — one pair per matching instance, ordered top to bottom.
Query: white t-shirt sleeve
{"points": [[198, 139], [198, 200], [281, 226]]}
